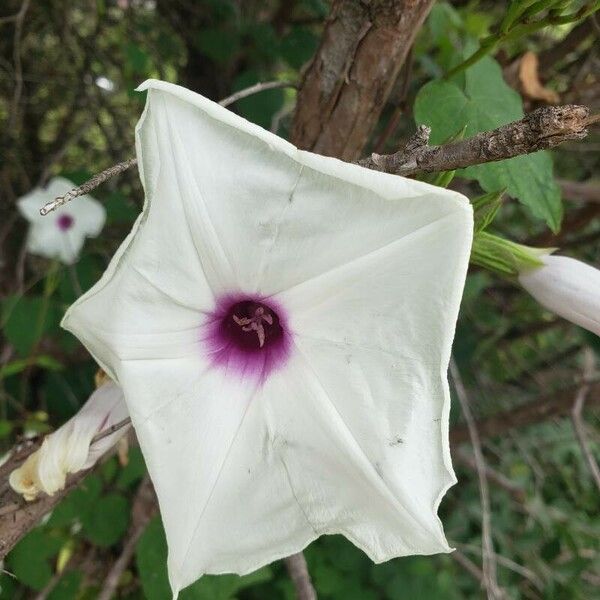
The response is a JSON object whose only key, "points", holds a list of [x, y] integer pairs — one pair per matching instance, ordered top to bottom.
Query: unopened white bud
{"points": [[568, 288]]}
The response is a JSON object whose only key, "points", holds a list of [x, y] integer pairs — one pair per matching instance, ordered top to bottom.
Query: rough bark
{"points": [[345, 88], [539, 130], [18, 517]]}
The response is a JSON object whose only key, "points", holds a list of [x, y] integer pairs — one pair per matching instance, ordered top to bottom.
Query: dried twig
{"points": [[18, 67], [255, 89], [541, 129], [88, 186], [558, 404], [577, 417], [110, 430], [515, 490], [144, 508], [488, 556], [509, 564], [468, 565], [298, 572]]}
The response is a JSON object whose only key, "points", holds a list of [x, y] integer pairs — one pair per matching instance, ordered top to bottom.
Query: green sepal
{"points": [[443, 178], [485, 208], [503, 256]]}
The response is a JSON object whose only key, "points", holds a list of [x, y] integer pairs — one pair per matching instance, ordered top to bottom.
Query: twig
{"points": [[9, 18], [19, 18], [255, 89], [541, 129], [88, 186], [545, 408], [577, 418], [110, 430], [515, 490], [143, 509], [488, 556], [468, 565], [511, 565], [298, 572]]}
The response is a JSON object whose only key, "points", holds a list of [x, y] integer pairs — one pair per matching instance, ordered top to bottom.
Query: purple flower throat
{"points": [[65, 222], [247, 335]]}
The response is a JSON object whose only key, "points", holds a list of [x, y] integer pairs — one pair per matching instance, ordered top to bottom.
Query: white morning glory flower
{"points": [[60, 234], [567, 287], [281, 325], [70, 449]]}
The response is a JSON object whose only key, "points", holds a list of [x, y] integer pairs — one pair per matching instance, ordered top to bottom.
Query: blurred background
{"points": [[68, 71]]}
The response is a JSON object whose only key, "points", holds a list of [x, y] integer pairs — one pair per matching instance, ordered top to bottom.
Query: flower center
{"points": [[65, 222], [252, 325], [247, 335]]}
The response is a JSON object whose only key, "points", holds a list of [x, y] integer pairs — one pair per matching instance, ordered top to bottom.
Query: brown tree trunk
{"points": [[347, 84]]}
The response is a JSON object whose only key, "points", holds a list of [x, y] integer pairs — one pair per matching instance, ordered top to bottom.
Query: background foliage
{"points": [[79, 64]]}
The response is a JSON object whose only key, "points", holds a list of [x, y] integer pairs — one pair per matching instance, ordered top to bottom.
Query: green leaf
{"points": [[218, 44], [298, 46], [137, 58], [480, 100], [119, 210], [27, 319], [16, 366], [6, 428], [133, 471], [78, 503], [107, 521], [151, 557], [29, 559], [68, 586]]}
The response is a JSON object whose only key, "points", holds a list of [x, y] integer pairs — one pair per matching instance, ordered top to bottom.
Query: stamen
{"points": [[255, 323]]}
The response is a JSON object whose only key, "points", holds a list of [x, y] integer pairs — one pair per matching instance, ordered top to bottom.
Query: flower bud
{"points": [[567, 287], [70, 448]]}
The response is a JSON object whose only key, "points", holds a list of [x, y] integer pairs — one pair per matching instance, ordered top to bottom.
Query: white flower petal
{"points": [[197, 165], [30, 204], [88, 213], [366, 271], [567, 287], [177, 401]]}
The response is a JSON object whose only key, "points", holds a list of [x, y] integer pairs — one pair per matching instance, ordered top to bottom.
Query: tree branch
{"points": [[350, 78], [539, 130]]}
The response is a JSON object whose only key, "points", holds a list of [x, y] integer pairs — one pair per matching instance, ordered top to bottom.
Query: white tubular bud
{"points": [[567, 287], [70, 449]]}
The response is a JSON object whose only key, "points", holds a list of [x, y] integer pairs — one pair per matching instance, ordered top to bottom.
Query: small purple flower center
{"points": [[65, 222], [251, 325], [247, 335]]}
